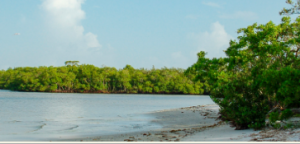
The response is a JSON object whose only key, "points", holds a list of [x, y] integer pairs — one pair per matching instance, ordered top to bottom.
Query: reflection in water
{"points": [[55, 116]]}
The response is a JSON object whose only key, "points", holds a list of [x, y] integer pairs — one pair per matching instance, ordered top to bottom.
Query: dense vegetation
{"points": [[260, 77], [88, 78]]}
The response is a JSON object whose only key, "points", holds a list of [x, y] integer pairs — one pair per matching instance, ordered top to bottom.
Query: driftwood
{"points": [[275, 108], [294, 110]]}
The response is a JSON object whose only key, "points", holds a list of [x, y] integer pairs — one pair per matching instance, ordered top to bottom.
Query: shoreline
{"points": [[107, 92], [195, 124], [175, 125]]}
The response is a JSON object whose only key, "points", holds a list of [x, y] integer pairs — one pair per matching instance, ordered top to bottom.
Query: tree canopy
{"points": [[295, 9], [72, 63], [260, 76], [88, 78]]}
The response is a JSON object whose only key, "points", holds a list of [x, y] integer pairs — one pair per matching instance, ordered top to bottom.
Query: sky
{"points": [[141, 33]]}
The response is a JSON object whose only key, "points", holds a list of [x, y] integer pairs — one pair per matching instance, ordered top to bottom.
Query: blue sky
{"points": [[114, 33]]}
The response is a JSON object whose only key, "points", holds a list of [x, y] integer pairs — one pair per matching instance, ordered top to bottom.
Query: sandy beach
{"points": [[196, 124]]}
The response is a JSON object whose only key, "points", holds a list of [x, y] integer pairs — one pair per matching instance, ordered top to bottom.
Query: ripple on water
{"points": [[20, 127]]}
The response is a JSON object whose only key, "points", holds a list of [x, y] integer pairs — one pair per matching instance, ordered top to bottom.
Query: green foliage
{"points": [[294, 10], [72, 63], [260, 73], [88, 78], [285, 114], [274, 116], [289, 125]]}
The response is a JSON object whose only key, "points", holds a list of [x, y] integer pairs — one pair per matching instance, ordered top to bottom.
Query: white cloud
{"points": [[212, 4], [246, 15], [63, 18], [91, 40], [213, 42]]}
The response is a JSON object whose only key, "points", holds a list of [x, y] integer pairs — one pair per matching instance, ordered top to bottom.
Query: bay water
{"points": [[36, 116]]}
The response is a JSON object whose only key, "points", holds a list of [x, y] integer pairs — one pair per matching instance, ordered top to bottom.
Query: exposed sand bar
{"points": [[196, 124]]}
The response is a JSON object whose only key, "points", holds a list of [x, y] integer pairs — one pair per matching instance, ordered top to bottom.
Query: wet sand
{"points": [[196, 124]]}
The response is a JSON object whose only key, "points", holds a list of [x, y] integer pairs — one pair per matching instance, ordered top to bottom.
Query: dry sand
{"points": [[196, 124]]}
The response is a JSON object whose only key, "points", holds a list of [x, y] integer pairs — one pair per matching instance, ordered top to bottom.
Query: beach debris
{"points": [[181, 112], [206, 113], [172, 131], [146, 134], [128, 140]]}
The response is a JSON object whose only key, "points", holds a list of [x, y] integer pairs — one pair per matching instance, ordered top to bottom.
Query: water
{"points": [[29, 116]]}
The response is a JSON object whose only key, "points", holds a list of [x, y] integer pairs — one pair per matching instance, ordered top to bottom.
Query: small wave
{"points": [[14, 121], [133, 126], [38, 128], [71, 128]]}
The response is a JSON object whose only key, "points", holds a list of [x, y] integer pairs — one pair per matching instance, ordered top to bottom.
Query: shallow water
{"points": [[29, 116]]}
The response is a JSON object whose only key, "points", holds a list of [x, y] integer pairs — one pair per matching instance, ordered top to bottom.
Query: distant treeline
{"points": [[88, 78]]}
